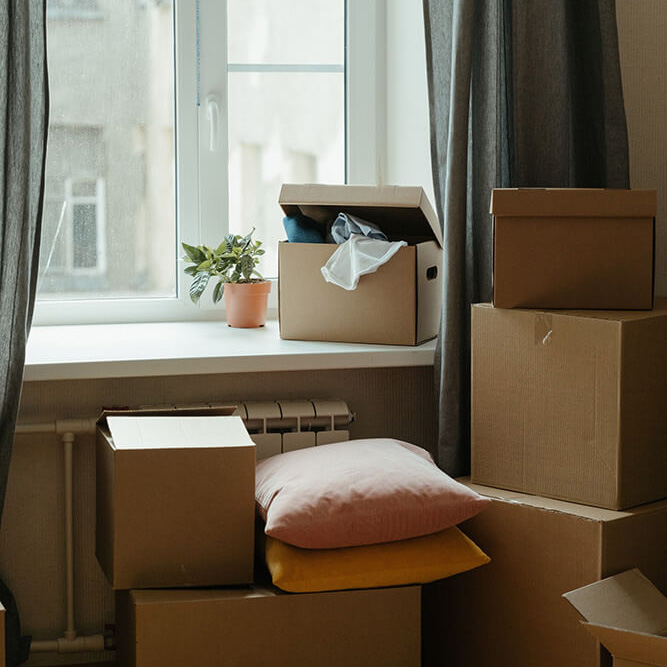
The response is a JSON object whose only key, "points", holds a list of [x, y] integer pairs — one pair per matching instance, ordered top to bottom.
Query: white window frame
{"points": [[202, 205]]}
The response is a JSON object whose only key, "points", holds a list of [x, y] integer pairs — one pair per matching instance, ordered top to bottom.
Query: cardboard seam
{"points": [[416, 297], [619, 417], [596, 440], [551, 510]]}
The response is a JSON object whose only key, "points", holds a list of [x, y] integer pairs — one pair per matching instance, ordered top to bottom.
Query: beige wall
{"points": [[642, 26], [387, 402]]}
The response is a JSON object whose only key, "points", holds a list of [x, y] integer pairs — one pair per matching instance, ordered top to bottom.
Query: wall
{"points": [[642, 27], [387, 402]]}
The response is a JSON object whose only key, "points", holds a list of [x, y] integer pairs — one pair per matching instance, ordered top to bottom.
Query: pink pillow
{"points": [[358, 492]]}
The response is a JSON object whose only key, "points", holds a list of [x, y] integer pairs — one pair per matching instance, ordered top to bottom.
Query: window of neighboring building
{"points": [[73, 9], [179, 121]]}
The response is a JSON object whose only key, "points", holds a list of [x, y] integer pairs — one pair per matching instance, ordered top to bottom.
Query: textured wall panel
{"points": [[642, 26]]}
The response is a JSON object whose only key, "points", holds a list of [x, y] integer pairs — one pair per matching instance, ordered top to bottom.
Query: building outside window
{"points": [[179, 121]]}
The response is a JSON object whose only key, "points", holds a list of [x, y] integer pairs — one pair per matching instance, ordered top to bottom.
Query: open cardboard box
{"points": [[573, 248], [399, 304], [175, 498], [539, 548], [628, 615]]}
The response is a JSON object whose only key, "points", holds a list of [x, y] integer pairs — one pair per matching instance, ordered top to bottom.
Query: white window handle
{"points": [[213, 117]]}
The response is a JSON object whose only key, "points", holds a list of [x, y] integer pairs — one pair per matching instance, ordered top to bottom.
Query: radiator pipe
{"points": [[68, 443], [69, 643], [92, 643]]}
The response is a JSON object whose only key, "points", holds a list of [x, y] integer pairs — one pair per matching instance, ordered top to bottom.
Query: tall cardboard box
{"points": [[573, 248], [399, 304], [571, 404], [175, 500], [511, 612], [628, 615], [262, 626]]}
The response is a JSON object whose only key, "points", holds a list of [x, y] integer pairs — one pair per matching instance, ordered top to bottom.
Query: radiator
{"points": [[283, 425], [286, 425]]}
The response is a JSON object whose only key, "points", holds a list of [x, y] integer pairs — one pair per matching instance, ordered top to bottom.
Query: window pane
{"points": [[286, 31], [283, 127], [109, 215]]}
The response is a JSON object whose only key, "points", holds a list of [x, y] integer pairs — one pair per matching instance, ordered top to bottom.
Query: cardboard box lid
{"points": [[573, 202], [402, 212], [659, 310], [132, 432], [586, 512], [628, 614]]}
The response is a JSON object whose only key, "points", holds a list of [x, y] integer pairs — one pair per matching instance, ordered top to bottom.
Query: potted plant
{"points": [[233, 263]]}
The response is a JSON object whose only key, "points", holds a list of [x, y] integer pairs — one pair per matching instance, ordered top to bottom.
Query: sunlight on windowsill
{"points": [[80, 352]]}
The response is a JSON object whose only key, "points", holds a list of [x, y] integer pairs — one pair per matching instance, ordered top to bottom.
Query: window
{"points": [[179, 121], [78, 245]]}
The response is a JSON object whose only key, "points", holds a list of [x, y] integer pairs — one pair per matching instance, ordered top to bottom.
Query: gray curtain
{"points": [[522, 93], [23, 128]]}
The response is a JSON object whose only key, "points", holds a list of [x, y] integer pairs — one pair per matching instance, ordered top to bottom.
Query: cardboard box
{"points": [[573, 248], [399, 304], [571, 404], [175, 500], [511, 612], [628, 614], [262, 626]]}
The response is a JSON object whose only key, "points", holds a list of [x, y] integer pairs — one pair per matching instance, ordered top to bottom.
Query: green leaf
{"points": [[246, 239], [229, 242], [193, 254], [205, 265], [246, 265], [190, 270], [198, 286], [218, 291]]}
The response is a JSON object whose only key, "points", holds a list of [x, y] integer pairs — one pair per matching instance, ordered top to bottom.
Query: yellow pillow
{"points": [[414, 561]]}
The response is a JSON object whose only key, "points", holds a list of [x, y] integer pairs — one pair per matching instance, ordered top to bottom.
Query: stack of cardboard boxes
{"points": [[569, 425], [175, 538]]}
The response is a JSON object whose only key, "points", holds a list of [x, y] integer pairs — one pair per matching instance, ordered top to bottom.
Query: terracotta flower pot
{"points": [[246, 304]]}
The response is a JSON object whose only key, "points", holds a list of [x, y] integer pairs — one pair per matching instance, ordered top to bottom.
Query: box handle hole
{"points": [[432, 273]]}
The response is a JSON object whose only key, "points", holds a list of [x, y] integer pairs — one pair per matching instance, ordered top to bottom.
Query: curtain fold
{"points": [[522, 93], [23, 130]]}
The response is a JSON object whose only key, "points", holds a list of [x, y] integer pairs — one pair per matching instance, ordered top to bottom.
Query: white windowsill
{"points": [[178, 348]]}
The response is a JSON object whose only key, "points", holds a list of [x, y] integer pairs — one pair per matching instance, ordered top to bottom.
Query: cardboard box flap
{"points": [[573, 202], [402, 212], [659, 308], [176, 432], [553, 505], [628, 601], [628, 614], [638, 647]]}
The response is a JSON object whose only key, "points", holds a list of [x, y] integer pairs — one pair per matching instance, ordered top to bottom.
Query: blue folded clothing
{"points": [[302, 229]]}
